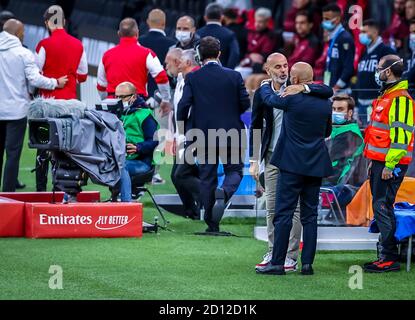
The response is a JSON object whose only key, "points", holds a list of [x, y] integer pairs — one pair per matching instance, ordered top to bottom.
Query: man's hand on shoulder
{"points": [[293, 89]]}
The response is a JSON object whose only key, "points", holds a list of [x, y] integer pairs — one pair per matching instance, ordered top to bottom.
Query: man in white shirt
{"points": [[18, 71]]}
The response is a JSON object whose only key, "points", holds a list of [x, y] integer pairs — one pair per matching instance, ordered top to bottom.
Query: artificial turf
{"points": [[177, 265]]}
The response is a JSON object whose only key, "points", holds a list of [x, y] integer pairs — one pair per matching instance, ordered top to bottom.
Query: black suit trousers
{"points": [[290, 187]]}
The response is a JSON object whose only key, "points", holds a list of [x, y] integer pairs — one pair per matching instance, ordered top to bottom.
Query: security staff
{"points": [[375, 49], [340, 55], [389, 145], [303, 160]]}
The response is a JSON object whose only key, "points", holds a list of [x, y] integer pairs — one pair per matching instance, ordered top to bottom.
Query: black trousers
{"points": [[12, 134], [42, 169], [208, 173], [185, 178], [291, 187], [384, 194]]}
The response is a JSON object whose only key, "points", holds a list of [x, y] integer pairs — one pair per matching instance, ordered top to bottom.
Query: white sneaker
{"points": [[157, 179], [265, 260], [290, 264]]}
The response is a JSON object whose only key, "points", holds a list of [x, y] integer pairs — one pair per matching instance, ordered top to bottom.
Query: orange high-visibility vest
{"points": [[377, 134]]}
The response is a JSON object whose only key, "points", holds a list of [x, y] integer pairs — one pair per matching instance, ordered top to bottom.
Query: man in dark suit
{"points": [[156, 40], [229, 46], [217, 97], [268, 121], [303, 160]]}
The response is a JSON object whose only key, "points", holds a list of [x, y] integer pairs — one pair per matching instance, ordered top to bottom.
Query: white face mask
{"points": [[183, 36]]}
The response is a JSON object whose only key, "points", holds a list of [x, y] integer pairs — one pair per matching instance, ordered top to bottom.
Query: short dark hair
{"points": [[332, 7], [214, 11], [231, 13], [305, 14], [372, 24], [209, 47], [395, 64], [345, 97]]}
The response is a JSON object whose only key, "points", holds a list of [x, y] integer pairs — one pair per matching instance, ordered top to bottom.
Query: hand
{"points": [[62, 81], [266, 81], [336, 88], [292, 90], [165, 108], [174, 147], [131, 148], [254, 170], [387, 173]]}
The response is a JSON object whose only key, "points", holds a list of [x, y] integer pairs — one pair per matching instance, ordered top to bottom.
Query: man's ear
{"points": [[220, 52], [350, 114]]}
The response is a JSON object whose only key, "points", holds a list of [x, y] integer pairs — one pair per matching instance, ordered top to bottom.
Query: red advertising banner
{"points": [[11, 218], [83, 220]]}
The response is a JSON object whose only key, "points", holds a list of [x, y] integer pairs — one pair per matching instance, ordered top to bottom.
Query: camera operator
{"points": [[18, 71], [140, 127]]}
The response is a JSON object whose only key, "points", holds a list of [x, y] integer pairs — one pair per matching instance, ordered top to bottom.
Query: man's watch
{"points": [[306, 88]]}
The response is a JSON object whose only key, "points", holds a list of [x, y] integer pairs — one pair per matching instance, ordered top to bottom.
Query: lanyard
{"points": [[333, 41]]}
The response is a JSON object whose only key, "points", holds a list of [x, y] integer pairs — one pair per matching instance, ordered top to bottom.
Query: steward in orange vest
{"points": [[389, 143]]}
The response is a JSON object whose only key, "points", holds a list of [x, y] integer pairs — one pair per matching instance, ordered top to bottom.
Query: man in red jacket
{"points": [[61, 54], [131, 62]]}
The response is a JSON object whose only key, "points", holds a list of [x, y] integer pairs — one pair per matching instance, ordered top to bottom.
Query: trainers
{"points": [[157, 179], [265, 260], [290, 264], [382, 266]]}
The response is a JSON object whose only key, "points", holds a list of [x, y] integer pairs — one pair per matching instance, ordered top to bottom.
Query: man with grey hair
{"points": [[229, 45], [185, 176]]}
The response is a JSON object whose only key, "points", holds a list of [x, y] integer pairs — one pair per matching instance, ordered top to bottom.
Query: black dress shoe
{"points": [[20, 185], [212, 229], [271, 269], [307, 270]]}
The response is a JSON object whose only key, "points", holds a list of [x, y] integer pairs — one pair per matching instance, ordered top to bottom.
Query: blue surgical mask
{"points": [[328, 25], [364, 39], [412, 42], [338, 117]]}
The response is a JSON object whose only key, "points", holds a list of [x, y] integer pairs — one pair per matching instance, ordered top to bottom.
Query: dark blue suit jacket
{"points": [[160, 44], [229, 46], [217, 96], [261, 112], [307, 122]]}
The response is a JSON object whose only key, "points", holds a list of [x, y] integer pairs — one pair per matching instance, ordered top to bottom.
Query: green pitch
{"points": [[178, 265]]}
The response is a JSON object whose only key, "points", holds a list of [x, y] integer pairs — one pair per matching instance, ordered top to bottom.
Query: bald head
{"points": [[156, 19], [185, 23], [14, 27], [128, 28], [277, 67], [301, 72], [125, 88]]}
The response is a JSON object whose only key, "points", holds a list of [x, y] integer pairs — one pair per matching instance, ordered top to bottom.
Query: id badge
{"points": [[327, 77]]}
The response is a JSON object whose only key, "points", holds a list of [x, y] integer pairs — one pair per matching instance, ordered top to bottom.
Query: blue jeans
{"points": [[131, 168]]}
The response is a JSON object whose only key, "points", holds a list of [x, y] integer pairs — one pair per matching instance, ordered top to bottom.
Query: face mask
{"points": [[328, 25], [183, 36], [364, 39], [412, 42], [378, 80], [338, 117]]}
